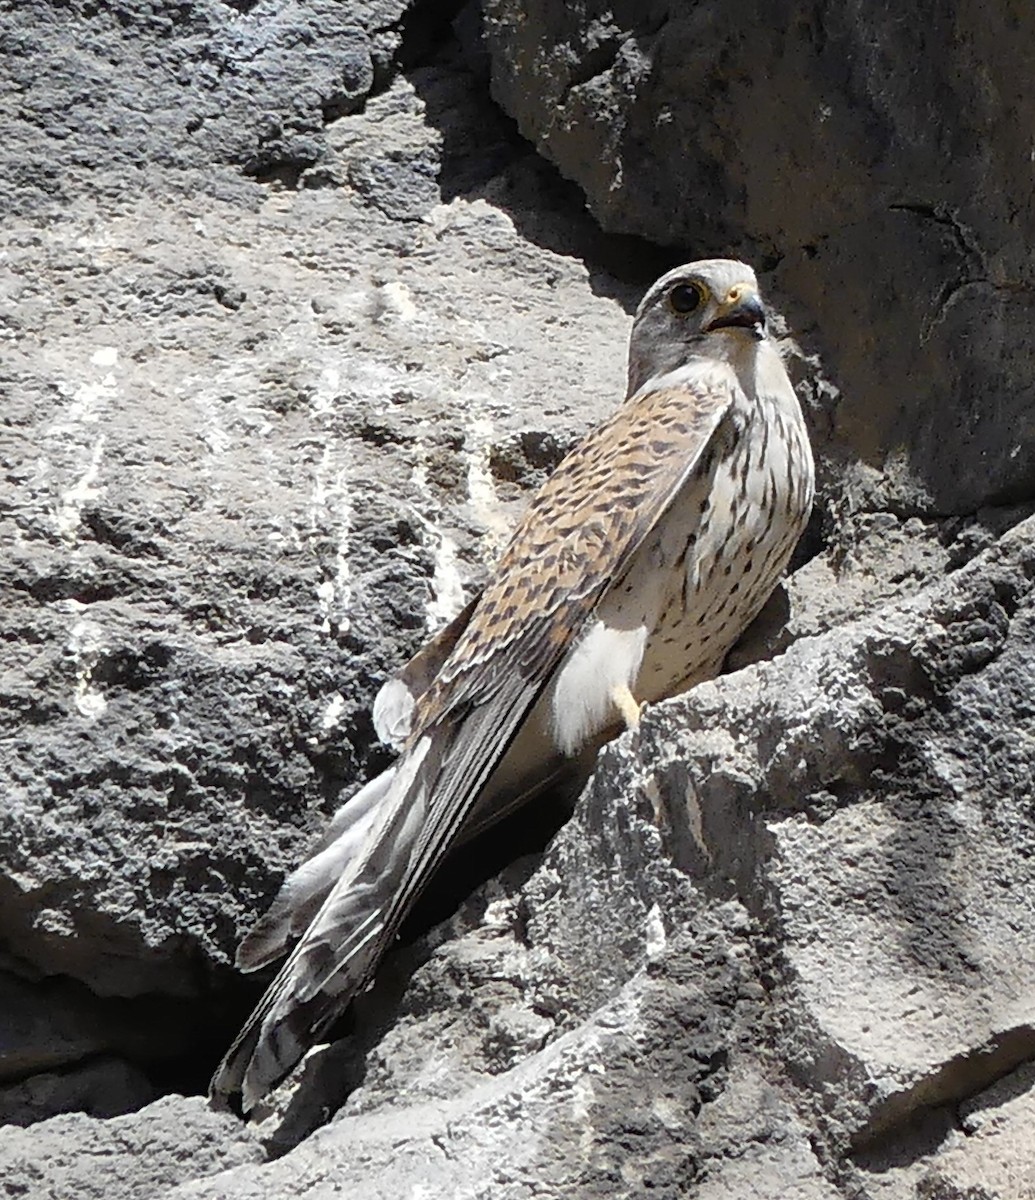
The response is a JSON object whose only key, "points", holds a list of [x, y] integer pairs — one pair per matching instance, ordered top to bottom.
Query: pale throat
{"points": [[749, 359], [756, 362]]}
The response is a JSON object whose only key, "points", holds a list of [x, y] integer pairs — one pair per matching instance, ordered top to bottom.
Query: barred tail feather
{"points": [[421, 815], [307, 887], [342, 943]]}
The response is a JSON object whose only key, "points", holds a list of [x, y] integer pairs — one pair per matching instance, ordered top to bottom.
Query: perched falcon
{"points": [[637, 565]]}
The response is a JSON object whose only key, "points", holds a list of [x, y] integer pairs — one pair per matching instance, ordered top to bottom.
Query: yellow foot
{"points": [[626, 704]]}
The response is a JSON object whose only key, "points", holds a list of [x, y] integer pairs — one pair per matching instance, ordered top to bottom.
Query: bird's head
{"points": [[707, 309]]}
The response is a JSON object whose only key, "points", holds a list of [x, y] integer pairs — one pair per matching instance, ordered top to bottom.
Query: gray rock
{"points": [[165, 90], [874, 169], [292, 322], [256, 443], [796, 873], [100, 1087], [134, 1157]]}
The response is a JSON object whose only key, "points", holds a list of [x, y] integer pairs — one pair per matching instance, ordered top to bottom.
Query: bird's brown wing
{"points": [[580, 533], [578, 536], [395, 702]]}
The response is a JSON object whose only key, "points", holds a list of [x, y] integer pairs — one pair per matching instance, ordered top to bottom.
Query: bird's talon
{"points": [[627, 706]]}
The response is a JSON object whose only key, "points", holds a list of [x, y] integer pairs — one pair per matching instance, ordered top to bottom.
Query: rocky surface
{"points": [[880, 169], [292, 320], [134, 1157]]}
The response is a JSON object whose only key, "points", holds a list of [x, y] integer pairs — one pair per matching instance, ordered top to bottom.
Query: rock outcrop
{"points": [[293, 319]]}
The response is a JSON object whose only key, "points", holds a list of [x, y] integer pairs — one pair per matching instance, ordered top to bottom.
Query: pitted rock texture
{"points": [[171, 89], [292, 321], [773, 942], [134, 1157]]}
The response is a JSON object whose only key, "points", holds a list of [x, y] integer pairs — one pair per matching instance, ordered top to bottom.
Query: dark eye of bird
{"points": [[684, 298]]}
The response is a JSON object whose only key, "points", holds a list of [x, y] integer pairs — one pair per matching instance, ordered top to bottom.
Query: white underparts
{"points": [[603, 661], [393, 713]]}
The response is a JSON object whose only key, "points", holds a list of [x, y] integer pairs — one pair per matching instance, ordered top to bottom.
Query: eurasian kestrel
{"points": [[636, 567]]}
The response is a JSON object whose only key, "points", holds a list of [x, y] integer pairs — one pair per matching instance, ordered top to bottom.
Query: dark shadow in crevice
{"points": [[484, 156], [215, 1021], [170, 1041], [900, 1131], [917, 1138]]}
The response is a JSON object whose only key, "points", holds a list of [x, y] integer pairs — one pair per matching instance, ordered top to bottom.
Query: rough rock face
{"points": [[881, 168], [292, 320], [787, 927]]}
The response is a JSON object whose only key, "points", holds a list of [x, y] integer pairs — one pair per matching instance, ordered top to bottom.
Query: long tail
{"points": [[416, 813], [307, 887], [344, 940]]}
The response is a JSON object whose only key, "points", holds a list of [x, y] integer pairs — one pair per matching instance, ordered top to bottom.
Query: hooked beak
{"points": [[742, 309]]}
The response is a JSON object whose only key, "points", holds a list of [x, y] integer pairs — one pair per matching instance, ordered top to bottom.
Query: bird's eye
{"points": [[685, 298]]}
